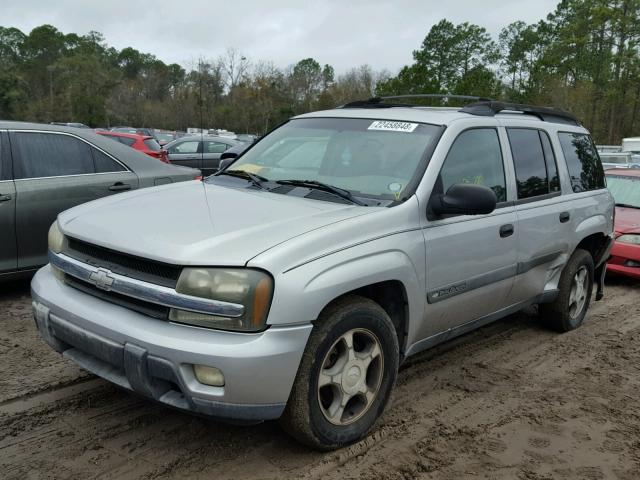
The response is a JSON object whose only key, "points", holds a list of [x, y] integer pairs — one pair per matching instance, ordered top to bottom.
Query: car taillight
{"points": [[164, 156], [198, 177]]}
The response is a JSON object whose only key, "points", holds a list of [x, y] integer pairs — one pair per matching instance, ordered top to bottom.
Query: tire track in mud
{"points": [[499, 401]]}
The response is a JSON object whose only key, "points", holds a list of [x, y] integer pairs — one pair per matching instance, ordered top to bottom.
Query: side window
{"points": [[127, 141], [185, 147], [215, 147], [50, 155], [475, 157], [550, 159], [529, 162], [583, 162], [104, 163]]}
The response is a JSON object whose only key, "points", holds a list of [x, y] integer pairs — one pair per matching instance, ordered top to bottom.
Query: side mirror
{"points": [[226, 159], [464, 199]]}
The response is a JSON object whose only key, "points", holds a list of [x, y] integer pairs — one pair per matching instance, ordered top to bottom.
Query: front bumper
{"points": [[622, 255], [155, 358]]}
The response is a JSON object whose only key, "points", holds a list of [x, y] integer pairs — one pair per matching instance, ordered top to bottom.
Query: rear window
{"points": [[127, 141], [152, 145], [50, 155], [104, 163], [583, 163]]}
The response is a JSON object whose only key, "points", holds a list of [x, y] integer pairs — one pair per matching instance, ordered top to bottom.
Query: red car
{"points": [[143, 143], [624, 184]]}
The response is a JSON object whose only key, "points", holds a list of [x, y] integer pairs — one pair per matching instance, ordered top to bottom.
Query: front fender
{"points": [[303, 292]]}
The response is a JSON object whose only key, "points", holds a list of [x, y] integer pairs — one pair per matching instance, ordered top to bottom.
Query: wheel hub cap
{"points": [[350, 376]]}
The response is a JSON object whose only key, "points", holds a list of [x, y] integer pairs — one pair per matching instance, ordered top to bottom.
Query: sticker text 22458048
{"points": [[390, 126]]}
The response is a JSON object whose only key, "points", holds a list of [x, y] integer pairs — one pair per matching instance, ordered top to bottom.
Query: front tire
{"points": [[568, 310], [346, 375]]}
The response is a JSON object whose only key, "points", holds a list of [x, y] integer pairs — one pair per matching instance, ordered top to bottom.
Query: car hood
{"points": [[627, 220], [195, 223]]}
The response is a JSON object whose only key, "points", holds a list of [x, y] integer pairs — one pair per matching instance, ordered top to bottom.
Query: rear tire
{"points": [[568, 310], [346, 375]]}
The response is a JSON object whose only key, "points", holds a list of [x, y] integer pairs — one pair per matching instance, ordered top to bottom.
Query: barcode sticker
{"points": [[390, 126]]}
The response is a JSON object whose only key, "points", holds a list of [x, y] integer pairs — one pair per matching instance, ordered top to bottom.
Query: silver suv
{"points": [[293, 283]]}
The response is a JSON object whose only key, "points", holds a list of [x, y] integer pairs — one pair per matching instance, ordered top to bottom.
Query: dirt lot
{"points": [[511, 400]]}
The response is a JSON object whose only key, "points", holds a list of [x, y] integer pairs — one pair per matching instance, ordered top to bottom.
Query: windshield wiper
{"points": [[252, 177], [339, 192], [627, 205]]}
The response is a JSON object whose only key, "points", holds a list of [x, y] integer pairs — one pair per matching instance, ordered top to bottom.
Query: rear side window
{"points": [[127, 141], [152, 145], [215, 147], [50, 155], [475, 157], [534, 162], [104, 163], [583, 163]]}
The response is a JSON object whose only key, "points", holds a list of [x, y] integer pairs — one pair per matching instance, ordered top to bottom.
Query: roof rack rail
{"points": [[378, 102], [549, 114]]}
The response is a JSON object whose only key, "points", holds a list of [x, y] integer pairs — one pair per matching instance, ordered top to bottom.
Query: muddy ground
{"points": [[512, 400]]}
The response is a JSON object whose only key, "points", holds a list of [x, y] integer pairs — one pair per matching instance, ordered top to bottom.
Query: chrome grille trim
{"points": [[145, 291]]}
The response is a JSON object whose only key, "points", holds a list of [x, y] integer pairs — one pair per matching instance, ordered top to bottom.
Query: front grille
{"points": [[151, 271], [140, 306]]}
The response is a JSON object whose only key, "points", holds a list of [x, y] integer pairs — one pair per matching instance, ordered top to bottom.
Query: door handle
{"points": [[119, 187], [5, 198], [565, 217], [506, 230]]}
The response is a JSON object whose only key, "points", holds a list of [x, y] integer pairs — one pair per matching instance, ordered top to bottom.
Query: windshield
{"points": [[368, 158], [625, 189]]}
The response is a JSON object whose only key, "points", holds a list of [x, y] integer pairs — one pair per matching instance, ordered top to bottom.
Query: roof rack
{"points": [[378, 102], [481, 106], [490, 108]]}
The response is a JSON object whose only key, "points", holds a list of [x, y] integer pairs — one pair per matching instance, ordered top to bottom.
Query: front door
{"points": [[187, 153], [470, 259]]}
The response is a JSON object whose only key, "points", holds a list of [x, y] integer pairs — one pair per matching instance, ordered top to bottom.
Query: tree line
{"points": [[584, 57]]}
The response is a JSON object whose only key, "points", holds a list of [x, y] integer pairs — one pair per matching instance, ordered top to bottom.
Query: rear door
{"points": [[211, 152], [187, 153], [55, 171], [544, 215], [8, 253]]}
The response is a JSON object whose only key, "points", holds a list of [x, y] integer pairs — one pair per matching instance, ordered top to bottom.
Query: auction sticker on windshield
{"points": [[393, 126]]}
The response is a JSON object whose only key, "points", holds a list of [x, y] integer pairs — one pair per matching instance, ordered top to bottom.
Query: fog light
{"points": [[209, 375]]}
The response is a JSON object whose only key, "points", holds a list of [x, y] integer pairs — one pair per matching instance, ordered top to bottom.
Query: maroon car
{"points": [[625, 187]]}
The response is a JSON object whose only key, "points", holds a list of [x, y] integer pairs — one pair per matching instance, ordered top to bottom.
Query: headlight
{"points": [[629, 238], [57, 240], [251, 288]]}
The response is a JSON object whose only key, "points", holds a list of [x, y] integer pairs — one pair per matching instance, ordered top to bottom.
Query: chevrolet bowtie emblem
{"points": [[102, 279]]}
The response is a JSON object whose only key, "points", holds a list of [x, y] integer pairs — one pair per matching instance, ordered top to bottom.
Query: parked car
{"points": [[71, 124], [147, 132], [164, 137], [246, 138], [143, 143], [609, 148], [199, 151], [618, 160], [45, 169], [358, 237], [625, 256]]}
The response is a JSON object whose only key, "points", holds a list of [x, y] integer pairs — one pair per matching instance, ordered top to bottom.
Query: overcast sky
{"points": [[343, 33]]}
